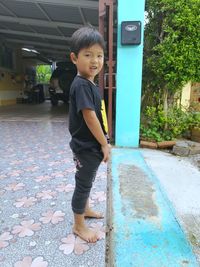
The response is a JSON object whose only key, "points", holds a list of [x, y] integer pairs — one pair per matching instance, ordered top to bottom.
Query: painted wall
{"points": [[129, 78], [11, 81], [185, 95], [190, 96], [195, 96]]}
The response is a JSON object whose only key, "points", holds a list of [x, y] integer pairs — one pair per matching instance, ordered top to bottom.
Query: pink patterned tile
{"points": [[32, 168], [42, 178], [15, 187], [65, 188], [46, 194], [99, 196], [25, 202], [52, 217], [26, 228], [99, 229], [4, 238], [73, 244], [29, 262]]}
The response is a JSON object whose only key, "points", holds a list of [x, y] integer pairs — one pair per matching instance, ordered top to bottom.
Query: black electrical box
{"points": [[131, 32]]}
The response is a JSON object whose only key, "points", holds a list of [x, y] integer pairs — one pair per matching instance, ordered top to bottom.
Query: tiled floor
{"points": [[34, 112], [36, 186]]}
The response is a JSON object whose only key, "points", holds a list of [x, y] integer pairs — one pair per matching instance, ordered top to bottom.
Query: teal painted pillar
{"points": [[129, 77]]}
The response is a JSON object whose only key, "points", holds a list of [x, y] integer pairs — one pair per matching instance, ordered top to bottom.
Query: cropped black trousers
{"points": [[87, 164]]}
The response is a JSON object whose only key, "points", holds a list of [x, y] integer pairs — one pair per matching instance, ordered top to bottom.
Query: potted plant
{"points": [[162, 129]]}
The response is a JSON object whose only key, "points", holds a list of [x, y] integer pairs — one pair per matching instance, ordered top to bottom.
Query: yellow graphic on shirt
{"points": [[104, 116]]}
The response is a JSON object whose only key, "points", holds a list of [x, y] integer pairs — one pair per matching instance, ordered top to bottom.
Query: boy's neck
{"points": [[92, 81]]}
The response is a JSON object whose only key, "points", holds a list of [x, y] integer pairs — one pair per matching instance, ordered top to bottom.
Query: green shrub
{"points": [[43, 73], [157, 126]]}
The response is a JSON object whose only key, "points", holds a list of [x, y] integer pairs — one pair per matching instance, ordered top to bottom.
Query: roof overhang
{"points": [[45, 25]]}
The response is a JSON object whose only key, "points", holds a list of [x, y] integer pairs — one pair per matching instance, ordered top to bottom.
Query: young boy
{"points": [[89, 143]]}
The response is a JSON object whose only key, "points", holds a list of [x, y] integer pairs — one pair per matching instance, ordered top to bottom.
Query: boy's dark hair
{"points": [[85, 37]]}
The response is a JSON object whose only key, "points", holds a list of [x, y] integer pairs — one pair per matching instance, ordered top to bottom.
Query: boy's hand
{"points": [[95, 127], [106, 152]]}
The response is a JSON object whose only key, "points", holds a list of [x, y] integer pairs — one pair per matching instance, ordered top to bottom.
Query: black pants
{"points": [[87, 164]]}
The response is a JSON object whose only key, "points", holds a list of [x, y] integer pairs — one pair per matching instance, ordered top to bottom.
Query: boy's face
{"points": [[89, 61]]}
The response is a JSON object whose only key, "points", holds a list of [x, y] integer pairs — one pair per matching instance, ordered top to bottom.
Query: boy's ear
{"points": [[73, 57]]}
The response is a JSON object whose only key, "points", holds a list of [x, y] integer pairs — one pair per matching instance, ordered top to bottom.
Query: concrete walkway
{"points": [[180, 181], [36, 186], [154, 210]]}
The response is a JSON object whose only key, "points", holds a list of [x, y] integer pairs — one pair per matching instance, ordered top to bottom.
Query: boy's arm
{"points": [[95, 127]]}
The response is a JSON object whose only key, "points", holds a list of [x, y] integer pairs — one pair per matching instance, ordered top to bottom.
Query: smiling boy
{"points": [[89, 142]]}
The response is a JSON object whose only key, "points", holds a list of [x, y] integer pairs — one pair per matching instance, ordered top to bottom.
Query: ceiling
{"points": [[44, 25]]}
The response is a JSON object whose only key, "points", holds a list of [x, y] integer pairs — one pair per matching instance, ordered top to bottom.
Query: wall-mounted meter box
{"points": [[131, 32]]}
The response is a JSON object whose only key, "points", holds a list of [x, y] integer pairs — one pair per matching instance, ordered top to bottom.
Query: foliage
{"points": [[171, 48], [43, 73], [156, 126]]}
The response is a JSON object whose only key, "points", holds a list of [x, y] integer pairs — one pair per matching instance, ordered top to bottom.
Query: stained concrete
{"points": [[179, 178], [142, 205], [144, 227]]}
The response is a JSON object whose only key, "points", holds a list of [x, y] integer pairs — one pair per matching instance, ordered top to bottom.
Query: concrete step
{"points": [[143, 230]]}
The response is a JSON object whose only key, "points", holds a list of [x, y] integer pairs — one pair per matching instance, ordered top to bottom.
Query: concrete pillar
{"points": [[129, 77]]}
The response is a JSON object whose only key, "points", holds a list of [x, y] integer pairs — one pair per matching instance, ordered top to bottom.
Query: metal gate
{"points": [[106, 10]]}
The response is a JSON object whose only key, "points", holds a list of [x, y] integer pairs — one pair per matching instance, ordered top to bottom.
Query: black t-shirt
{"points": [[83, 95]]}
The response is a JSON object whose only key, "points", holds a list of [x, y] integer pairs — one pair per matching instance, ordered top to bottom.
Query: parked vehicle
{"points": [[60, 83], [34, 94]]}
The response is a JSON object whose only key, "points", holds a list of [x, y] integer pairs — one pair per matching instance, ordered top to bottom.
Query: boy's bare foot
{"points": [[89, 213], [85, 233]]}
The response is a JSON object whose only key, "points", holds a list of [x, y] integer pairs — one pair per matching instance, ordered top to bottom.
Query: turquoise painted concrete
{"points": [[129, 76], [141, 242]]}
